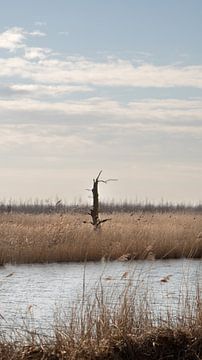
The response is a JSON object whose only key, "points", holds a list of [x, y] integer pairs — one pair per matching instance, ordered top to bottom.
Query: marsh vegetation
{"points": [[28, 238], [127, 328]]}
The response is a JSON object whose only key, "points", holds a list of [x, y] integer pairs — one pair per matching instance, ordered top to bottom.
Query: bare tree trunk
{"points": [[94, 212]]}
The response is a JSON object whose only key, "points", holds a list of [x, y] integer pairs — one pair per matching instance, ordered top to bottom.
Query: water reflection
{"points": [[31, 293]]}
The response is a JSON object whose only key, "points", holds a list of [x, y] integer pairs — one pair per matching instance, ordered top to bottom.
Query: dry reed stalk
{"points": [[50, 238], [95, 330]]}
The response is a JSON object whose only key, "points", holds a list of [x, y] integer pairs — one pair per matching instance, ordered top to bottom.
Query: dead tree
{"points": [[94, 212]]}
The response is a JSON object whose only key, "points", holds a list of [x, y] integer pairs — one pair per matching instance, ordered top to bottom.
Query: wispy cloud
{"points": [[36, 33], [14, 38], [33, 53], [44, 65], [116, 73], [38, 74], [38, 90], [144, 109], [171, 116], [45, 141]]}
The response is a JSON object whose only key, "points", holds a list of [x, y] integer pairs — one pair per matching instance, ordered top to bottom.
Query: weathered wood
{"points": [[94, 212]]}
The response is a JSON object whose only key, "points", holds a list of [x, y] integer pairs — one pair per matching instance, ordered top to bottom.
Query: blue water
{"points": [[33, 294]]}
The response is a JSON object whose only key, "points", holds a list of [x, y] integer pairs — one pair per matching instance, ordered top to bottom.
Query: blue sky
{"points": [[89, 85]]}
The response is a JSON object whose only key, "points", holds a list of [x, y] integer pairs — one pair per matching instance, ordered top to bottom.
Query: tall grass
{"points": [[42, 238], [128, 330]]}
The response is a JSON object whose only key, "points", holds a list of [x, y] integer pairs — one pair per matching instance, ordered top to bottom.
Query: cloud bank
{"points": [[43, 65], [59, 111]]}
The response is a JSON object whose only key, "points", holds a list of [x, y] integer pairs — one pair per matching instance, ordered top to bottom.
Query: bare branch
{"points": [[97, 178], [106, 181], [104, 220]]}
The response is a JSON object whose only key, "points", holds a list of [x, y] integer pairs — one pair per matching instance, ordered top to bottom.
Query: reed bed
{"points": [[26, 238], [94, 330]]}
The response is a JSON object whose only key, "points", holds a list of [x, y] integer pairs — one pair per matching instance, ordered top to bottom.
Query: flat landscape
{"points": [[100, 180], [26, 238], [94, 329]]}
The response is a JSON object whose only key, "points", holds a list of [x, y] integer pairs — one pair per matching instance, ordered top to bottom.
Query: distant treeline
{"points": [[44, 207]]}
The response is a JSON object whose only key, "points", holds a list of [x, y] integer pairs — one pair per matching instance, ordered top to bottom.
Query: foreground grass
{"points": [[60, 238], [128, 330], [155, 344]]}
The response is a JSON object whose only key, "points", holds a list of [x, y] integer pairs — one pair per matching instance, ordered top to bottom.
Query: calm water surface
{"points": [[33, 293]]}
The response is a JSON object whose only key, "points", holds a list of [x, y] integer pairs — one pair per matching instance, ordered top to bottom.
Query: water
{"points": [[31, 293]]}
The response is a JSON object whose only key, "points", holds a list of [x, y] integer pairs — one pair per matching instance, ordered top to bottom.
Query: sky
{"points": [[112, 85]]}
